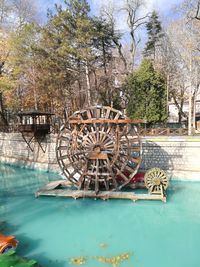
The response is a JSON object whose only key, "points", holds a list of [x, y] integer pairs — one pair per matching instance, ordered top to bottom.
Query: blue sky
{"points": [[165, 7]]}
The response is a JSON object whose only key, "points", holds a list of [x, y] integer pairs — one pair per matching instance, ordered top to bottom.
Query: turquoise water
{"points": [[54, 230]]}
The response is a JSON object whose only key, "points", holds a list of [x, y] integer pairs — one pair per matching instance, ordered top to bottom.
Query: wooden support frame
{"points": [[91, 121], [36, 138], [28, 142], [62, 189], [105, 195]]}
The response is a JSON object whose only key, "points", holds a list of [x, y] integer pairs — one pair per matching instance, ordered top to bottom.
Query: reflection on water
{"points": [[18, 181], [61, 232]]}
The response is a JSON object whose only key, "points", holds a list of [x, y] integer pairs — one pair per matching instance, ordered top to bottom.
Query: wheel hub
{"points": [[156, 181]]}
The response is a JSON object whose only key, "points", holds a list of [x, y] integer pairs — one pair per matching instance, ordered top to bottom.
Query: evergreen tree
{"points": [[154, 32], [103, 43], [65, 49], [76, 50], [63, 63], [147, 94]]}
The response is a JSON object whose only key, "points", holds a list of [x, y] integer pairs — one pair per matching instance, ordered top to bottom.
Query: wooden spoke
{"points": [[89, 114], [64, 138], [62, 148], [62, 157], [82, 177], [106, 184]]}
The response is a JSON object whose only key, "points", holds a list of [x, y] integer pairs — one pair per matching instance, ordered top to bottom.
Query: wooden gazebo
{"points": [[34, 125]]}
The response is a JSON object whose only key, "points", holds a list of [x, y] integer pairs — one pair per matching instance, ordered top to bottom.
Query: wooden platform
{"points": [[56, 189]]}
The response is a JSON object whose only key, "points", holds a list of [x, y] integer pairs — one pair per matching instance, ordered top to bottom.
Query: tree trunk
{"points": [[119, 48], [133, 48], [104, 57], [88, 85], [35, 97], [179, 107], [2, 111], [194, 111], [190, 115], [179, 117]]}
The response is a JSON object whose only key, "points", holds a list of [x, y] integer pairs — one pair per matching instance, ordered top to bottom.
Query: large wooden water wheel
{"points": [[99, 149]]}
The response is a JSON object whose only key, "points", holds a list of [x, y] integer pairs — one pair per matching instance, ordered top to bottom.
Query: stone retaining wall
{"points": [[13, 149], [180, 156]]}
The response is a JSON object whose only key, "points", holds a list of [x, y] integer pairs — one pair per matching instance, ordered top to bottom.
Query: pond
{"points": [[60, 232]]}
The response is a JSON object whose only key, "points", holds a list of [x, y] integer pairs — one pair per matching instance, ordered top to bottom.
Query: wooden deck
{"points": [[56, 189]]}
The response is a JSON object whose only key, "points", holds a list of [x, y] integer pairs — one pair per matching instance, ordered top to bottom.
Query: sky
{"points": [[161, 5], [164, 7]]}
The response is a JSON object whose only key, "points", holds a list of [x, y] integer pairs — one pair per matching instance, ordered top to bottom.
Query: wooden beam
{"points": [[90, 121]]}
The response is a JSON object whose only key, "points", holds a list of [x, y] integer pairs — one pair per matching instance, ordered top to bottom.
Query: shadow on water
{"points": [[6, 227], [27, 245], [46, 262]]}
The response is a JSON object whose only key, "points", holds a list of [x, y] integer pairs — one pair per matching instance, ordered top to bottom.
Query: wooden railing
{"points": [[141, 131], [164, 131]]}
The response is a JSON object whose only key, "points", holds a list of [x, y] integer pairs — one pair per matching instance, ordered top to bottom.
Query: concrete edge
{"points": [[174, 175]]}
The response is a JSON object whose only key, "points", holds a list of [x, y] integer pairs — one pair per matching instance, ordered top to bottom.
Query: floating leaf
{"points": [[78, 261]]}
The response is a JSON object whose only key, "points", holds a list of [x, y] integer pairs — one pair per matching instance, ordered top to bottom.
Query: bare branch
{"points": [[197, 16]]}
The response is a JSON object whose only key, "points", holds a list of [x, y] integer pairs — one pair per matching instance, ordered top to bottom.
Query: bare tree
{"points": [[5, 8], [191, 8], [25, 11], [108, 12], [197, 13], [135, 21], [181, 65], [174, 71]]}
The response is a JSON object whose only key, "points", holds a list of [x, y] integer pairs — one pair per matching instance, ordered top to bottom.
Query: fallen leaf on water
{"points": [[103, 245], [78, 261]]}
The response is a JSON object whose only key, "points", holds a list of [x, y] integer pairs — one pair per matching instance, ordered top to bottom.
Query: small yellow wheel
{"points": [[156, 180]]}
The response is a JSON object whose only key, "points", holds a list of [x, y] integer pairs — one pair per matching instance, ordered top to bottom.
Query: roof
{"points": [[35, 113]]}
